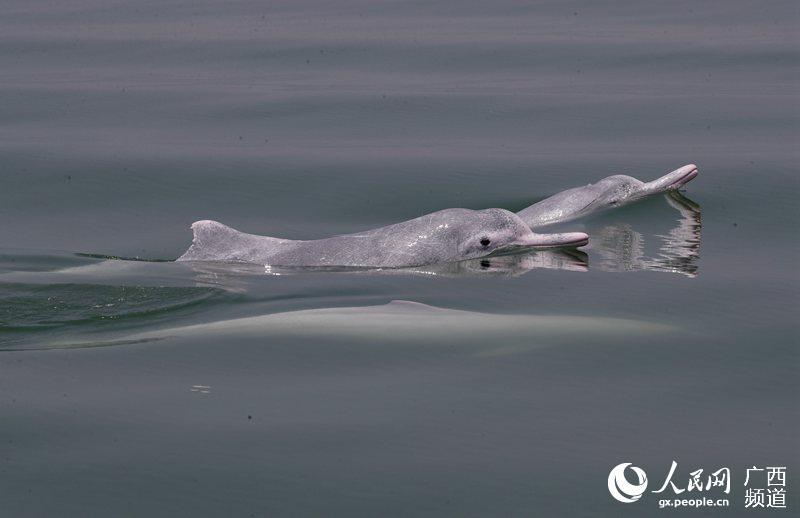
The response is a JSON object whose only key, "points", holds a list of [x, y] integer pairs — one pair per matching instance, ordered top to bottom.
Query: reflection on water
{"points": [[681, 247], [622, 249], [509, 265]]}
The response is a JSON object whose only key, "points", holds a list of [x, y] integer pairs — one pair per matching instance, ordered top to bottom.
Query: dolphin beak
{"points": [[674, 180], [534, 240]]}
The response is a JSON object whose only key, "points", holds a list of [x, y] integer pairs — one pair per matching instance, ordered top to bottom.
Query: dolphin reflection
{"points": [[621, 248], [570, 259], [510, 265]]}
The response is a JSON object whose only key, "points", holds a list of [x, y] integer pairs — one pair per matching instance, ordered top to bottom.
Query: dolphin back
{"points": [[561, 207], [213, 241]]}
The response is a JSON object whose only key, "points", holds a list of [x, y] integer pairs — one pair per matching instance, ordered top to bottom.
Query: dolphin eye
{"points": [[485, 241]]}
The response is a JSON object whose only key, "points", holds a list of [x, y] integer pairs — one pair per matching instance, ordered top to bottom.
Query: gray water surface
{"points": [[504, 387]]}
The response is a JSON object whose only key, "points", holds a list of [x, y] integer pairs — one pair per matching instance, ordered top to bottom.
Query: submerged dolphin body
{"points": [[609, 192], [440, 237], [400, 323]]}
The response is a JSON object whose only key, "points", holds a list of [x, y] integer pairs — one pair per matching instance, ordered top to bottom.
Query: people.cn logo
{"points": [[621, 489]]}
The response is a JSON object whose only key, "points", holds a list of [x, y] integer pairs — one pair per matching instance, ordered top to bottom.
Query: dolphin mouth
{"points": [[685, 175], [671, 181], [566, 239]]}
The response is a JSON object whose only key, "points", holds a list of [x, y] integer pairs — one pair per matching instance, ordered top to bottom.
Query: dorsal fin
{"points": [[213, 241]]}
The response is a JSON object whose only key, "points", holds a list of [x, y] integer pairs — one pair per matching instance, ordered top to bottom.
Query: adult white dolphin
{"points": [[609, 192], [440, 237]]}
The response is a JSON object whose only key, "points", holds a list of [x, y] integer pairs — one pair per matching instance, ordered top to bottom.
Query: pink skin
{"points": [[671, 181], [553, 240]]}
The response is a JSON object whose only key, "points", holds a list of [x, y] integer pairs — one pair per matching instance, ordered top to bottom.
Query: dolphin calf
{"points": [[609, 192], [445, 236]]}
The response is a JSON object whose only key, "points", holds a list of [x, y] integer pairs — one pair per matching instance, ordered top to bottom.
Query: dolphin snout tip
{"points": [[686, 173], [672, 181], [575, 239]]}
